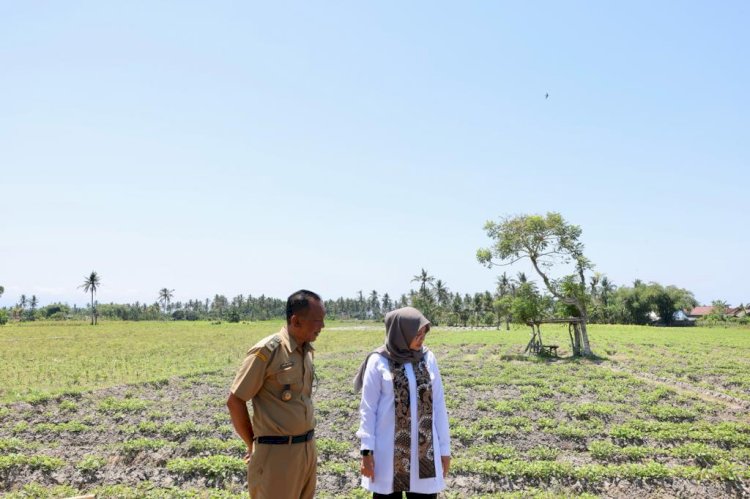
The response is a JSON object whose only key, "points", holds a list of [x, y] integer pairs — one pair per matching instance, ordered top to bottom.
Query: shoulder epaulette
{"points": [[273, 343], [270, 346]]}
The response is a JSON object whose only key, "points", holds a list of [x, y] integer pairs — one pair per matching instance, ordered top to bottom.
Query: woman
{"points": [[403, 426]]}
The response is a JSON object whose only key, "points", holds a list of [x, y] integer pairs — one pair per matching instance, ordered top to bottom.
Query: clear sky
{"points": [[257, 148]]}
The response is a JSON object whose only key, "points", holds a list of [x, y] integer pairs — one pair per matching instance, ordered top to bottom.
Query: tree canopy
{"points": [[550, 244]]}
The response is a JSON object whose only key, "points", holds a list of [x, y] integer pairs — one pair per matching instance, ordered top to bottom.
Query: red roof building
{"points": [[700, 312]]}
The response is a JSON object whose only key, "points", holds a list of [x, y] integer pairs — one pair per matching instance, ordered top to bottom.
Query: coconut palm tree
{"points": [[423, 278], [594, 281], [91, 284], [504, 285], [606, 288], [441, 293], [165, 296], [387, 305]]}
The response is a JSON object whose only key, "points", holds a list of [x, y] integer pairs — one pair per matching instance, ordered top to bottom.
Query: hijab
{"points": [[401, 327]]}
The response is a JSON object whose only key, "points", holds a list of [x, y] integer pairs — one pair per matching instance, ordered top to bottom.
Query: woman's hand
{"points": [[446, 460], [368, 467]]}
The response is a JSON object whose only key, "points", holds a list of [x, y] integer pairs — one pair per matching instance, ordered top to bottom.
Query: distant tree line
{"points": [[548, 242], [516, 299]]}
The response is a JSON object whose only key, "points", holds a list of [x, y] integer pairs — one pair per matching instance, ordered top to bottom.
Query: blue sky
{"points": [[237, 147]]}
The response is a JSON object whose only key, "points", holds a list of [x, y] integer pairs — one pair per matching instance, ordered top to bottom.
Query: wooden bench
{"points": [[550, 350]]}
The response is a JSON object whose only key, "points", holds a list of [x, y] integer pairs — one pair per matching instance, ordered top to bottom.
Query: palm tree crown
{"points": [[423, 278], [91, 284], [165, 296]]}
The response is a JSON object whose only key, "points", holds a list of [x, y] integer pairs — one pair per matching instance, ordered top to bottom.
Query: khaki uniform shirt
{"points": [[269, 366]]}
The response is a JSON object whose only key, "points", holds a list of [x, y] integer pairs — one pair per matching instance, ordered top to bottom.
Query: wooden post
{"points": [[539, 337], [572, 341], [530, 344]]}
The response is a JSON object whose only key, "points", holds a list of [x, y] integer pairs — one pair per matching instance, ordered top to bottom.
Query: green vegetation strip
{"points": [[129, 405], [68, 427], [728, 434], [12, 445], [137, 445], [197, 445], [44, 463], [210, 467], [545, 470], [145, 490]]}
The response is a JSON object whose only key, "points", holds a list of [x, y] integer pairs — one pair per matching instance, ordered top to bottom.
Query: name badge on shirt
{"points": [[287, 365]]}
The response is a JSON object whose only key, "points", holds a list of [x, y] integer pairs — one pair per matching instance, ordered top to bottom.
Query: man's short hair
{"points": [[299, 301]]}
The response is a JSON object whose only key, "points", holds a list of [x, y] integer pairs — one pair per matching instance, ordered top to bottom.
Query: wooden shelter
{"points": [[537, 346]]}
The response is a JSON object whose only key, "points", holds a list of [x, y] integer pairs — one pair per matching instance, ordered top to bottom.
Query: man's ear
{"points": [[294, 321]]}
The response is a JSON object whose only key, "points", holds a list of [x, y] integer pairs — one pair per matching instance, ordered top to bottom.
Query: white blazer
{"points": [[377, 421]]}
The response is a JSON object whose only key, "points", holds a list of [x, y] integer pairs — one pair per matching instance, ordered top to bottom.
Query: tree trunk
{"points": [[571, 329], [582, 334], [539, 335], [585, 339]]}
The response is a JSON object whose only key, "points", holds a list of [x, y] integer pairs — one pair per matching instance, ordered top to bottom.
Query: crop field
{"points": [[137, 410]]}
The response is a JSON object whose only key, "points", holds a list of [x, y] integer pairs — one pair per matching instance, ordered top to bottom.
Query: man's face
{"points": [[308, 324]]}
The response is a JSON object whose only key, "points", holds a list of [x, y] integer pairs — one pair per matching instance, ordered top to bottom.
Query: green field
{"points": [[51, 358], [660, 412]]}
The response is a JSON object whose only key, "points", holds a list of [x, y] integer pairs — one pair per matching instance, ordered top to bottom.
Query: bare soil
{"points": [[200, 399]]}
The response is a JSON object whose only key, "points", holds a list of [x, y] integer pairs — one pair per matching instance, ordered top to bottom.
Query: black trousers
{"points": [[409, 495]]}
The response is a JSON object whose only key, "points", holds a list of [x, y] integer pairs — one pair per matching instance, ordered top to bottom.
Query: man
{"points": [[277, 375]]}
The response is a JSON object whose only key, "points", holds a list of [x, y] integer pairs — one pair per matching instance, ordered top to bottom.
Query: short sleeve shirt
{"points": [[275, 364]]}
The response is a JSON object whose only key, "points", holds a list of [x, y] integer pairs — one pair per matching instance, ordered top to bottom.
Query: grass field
{"points": [[137, 410]]}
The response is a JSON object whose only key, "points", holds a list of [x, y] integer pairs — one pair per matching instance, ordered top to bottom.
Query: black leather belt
{"points": [[298, 439]]}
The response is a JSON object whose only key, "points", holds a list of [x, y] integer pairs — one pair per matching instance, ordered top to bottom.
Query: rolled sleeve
{"points": [[249, 379]]}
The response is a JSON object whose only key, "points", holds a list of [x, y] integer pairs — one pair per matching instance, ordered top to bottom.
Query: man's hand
{"points": [[241, 421], [248, 454], [446, 460], [368, 467]]}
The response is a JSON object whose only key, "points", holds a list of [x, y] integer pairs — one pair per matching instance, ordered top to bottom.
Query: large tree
{"points": [[552, 245], [91, 284], [670, 299]]}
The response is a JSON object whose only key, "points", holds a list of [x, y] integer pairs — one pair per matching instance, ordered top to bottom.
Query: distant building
{"points": [[700, 312], [737, 312], [680, 315], [679, 318]]}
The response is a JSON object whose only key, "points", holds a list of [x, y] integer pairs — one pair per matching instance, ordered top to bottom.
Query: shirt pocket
{"points": [[291, 376]]}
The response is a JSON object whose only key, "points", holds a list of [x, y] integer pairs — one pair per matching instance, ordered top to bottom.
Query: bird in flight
{"points": [[546, 96]]}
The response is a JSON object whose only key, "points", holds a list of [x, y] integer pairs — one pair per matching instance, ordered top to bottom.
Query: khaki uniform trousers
{"points": [[286, 471]]}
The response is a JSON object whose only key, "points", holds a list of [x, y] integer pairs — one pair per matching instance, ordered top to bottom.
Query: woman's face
{"points": [[416, 343]]}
